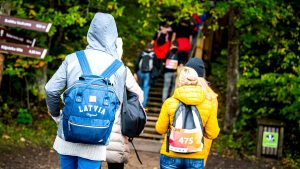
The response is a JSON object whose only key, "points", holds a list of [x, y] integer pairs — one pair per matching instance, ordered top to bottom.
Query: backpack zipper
{"points": [[79, 125]]}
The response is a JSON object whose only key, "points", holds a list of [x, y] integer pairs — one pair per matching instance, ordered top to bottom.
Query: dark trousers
{"points": [[115, 165]]}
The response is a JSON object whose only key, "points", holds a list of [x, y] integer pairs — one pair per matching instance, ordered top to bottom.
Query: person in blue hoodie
{"points": [[100, 52]]}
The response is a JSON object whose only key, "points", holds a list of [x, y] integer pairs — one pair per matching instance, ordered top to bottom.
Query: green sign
{"points": [[270, 139]]}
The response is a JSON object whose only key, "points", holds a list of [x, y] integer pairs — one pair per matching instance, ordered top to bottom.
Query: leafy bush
{"points": [[24, 117], [237, 144]]}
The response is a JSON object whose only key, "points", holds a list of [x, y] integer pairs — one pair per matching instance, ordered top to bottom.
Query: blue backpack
{"points": [[90, 105]]}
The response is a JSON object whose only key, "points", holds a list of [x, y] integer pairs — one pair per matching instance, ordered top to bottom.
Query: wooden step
{"points": [[159, 79], [157, 83], [156, 88], [154, 92], [154, 99], [154, 104], [154, 110], [150, 114], [152, 118], [150, 123], [150, 130], [152, 136]]}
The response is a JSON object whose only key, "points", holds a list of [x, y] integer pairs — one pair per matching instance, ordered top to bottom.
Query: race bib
{"points": [[171, 64], [185, 140]]}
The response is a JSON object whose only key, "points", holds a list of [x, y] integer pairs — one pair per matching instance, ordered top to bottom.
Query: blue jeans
{"points": [[144, 82], [169, 83], [74, 162], [178, 163]]}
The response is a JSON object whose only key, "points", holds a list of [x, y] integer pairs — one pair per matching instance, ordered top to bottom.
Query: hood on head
{"points": [[102, 34], [119, 44]]}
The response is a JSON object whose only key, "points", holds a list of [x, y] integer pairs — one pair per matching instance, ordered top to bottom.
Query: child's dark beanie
{"points": [[198, 65]]}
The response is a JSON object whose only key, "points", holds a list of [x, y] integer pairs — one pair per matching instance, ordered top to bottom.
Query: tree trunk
{"points": [[41, 80], [232, 101]]}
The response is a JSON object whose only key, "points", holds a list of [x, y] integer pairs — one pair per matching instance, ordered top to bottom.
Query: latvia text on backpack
{"points": [[146, 61], [90, 105], [186, 135]]}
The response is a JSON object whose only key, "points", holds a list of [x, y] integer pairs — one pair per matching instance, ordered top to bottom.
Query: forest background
{"points": [[266, 33]]}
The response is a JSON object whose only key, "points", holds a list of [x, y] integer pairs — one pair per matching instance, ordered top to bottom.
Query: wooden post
{"points": [[5, 10], [199, 48], [259, 142], [280, 146]]}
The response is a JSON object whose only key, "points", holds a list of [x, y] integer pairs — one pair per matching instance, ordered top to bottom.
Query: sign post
{"points": [[5, 9], [25, 23], [11, 36], [23, 50]]}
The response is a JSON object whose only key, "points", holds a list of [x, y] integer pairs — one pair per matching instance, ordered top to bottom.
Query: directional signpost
{"points": [[25, 23], [11, 36], [24, 46], [18, 49], [22, 50]]}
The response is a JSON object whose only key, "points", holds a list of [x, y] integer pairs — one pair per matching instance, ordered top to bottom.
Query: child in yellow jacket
{"points": [[191, 89]]}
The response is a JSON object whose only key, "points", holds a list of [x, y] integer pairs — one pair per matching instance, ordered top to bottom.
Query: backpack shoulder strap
{"points": [[84, 64], [112, 69], [177, 111], [197, 112], [200, 120], [169, 128]]}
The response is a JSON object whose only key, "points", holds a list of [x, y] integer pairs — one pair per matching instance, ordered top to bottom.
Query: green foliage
{"points": [[269, 63], [218, 81], [279, 96], [7, 114], [24, 117], [235, 144], [291, 162]]}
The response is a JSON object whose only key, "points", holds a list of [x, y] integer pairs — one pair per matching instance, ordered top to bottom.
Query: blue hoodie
{"points": [[100, 52]]}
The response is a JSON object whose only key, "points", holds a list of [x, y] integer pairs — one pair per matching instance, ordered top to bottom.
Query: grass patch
{"points": [[40, 133]]}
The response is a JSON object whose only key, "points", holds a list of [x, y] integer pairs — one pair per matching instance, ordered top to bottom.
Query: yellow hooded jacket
{"points": [[206, 103]]}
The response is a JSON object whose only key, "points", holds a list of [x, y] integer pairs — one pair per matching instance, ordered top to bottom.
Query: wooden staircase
{"points": [[154, 105]]}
